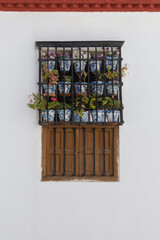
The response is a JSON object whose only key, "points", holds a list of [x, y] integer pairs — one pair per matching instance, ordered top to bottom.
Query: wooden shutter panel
{"points": [[80, 152]]}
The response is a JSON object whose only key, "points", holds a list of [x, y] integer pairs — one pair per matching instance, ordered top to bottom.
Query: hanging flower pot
{"points": [[64, 63], [108, 63], [51, 65], [93, 65], [79, 67], [97, 87], [64, 88], [81, 88], [51, 89], [112, 90], [67, 114], [99, 114], [51, 115], [110, 115], [84, 118]]}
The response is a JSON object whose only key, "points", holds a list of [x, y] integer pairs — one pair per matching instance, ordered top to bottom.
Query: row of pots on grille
{"points": [[79, 66], [97, 87], [95, 116]]}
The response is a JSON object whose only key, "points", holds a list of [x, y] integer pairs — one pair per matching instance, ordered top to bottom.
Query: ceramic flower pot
{"points": [[108, 63], [65, 64], [51, 65], [93, 65], [78, 67], [97, 87], [81, 88], [50, 89], [64, 89], [110, 90], [67, 114], [99, 114], [109, 114], [51, 115], [85, 117]]}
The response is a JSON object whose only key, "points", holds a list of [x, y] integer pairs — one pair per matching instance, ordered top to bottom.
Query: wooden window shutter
{"points": [[80, 152]]}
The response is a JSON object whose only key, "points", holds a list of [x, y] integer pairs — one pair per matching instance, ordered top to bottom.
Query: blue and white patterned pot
{"points": [[108, 62], [65, 64], [51, 65], [93, 65], [79, 68], [67, 87], [50, 88], [81, 88], [97, 88], [111, 91], [67, 114], [109, 114], [51, 115], [100, 115], [85, 117]]}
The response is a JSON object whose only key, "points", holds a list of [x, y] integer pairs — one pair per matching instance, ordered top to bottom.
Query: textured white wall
{"points": [[34, 210]]}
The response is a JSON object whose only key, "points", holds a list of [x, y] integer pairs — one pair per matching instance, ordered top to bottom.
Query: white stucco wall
{"points": [[35, 210]]}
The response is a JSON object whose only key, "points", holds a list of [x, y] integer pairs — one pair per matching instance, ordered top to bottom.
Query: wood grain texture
{"points": [[91, 160]]}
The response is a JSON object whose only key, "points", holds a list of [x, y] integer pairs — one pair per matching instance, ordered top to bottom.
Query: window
{"points": [[80, 88]]}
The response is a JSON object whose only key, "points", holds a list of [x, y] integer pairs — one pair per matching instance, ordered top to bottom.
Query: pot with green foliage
{"points": [[111, 58], [64, 60], [50, 76], [65, 85], [81, 86], [98, 86], [37, 102], [97, 110], [113, 110], [64, 111], [82, 114]]}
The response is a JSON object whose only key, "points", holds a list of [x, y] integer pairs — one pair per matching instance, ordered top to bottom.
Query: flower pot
{"points": [[108, 63], [65, 64], [51, 65], [93, 65], [78, 67], [97, 87], [81, 88], [50, 89], [64, 89], [113, 91], [67, 114], [99, 114], [109, 114], [51, 115], [85, 117]]}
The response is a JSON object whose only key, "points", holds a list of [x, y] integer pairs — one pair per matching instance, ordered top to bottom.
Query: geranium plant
{"points": [[52, 75], [37, 102], [81, 102]]}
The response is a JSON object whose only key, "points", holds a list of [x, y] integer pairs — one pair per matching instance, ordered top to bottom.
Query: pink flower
{"points": [[112, 96], [54, 99], [31, 101]]}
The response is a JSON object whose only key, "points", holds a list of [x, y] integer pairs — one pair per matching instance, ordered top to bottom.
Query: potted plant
{"points": [[50, 56], [111, 58], [96, 59], [79, 60], [64, 61], [52, 76], [112, 77], [65, 85], [81, 86], [98, 86], [37, 102], [97, 108], [64, 111], [113, 111], [81, 113]]}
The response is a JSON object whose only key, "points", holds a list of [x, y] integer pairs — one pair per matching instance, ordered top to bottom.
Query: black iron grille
{"points": [[86, 91]]}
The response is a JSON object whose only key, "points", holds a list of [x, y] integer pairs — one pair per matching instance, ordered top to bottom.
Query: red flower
{"points": [[54, 99], [31, 101]]}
